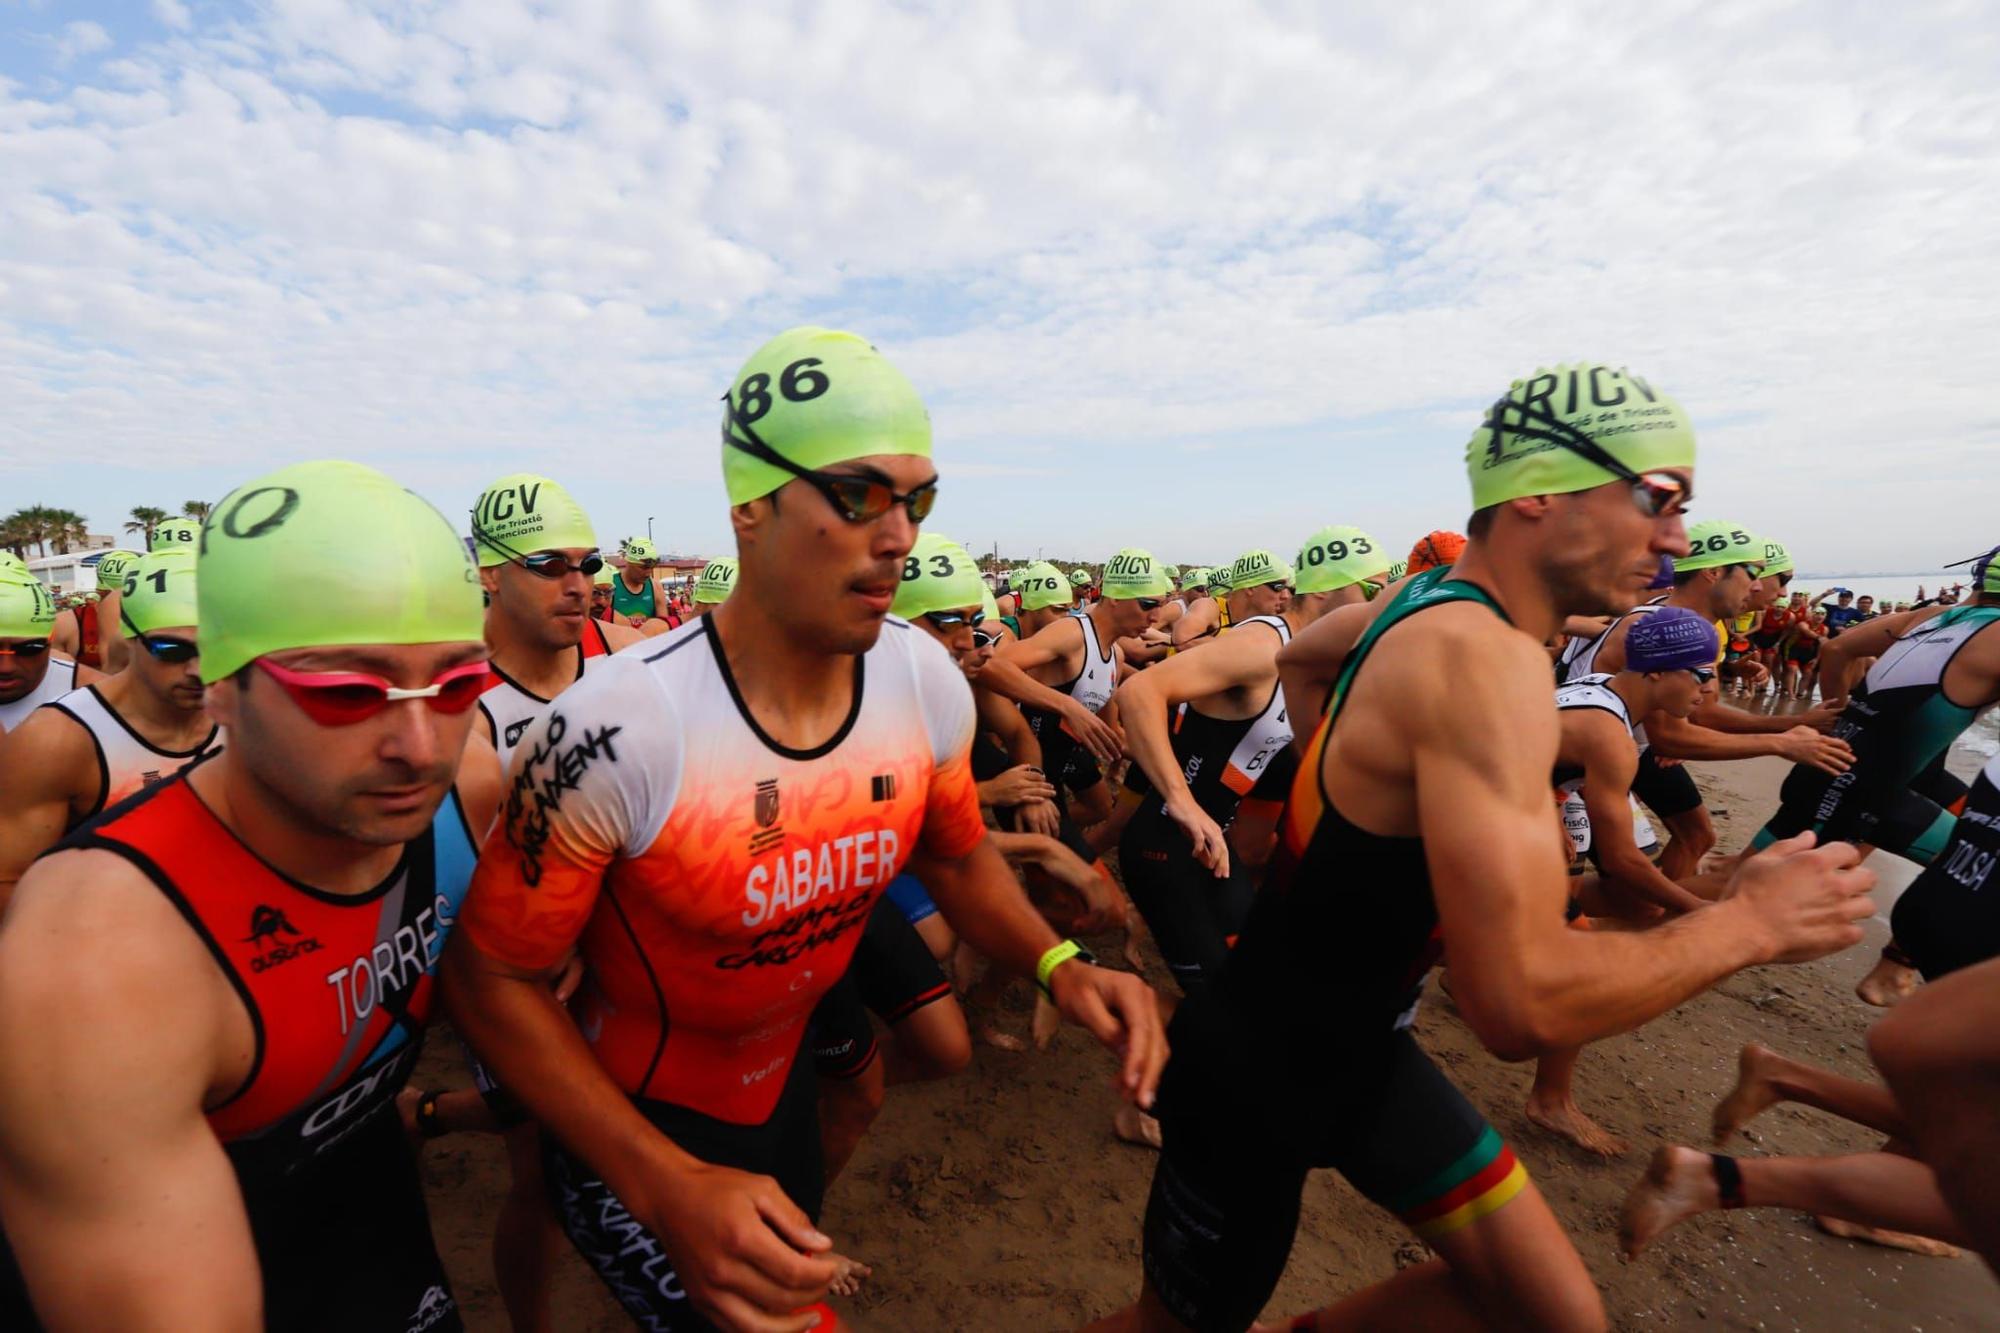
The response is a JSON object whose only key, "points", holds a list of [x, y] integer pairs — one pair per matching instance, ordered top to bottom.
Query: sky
{"points": [[1178, 274]]}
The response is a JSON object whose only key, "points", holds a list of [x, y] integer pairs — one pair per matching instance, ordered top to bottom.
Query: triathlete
{"points": [[536, 553], [1716, 578], [712, 589], [600, 593], [636, 596], [1205, 616], [89, 631], [1670, 656], [1936, 669], [31, 672], [1063, 677], [95, 746], [710, 819], [1410, 828], [1945, 922], [263, 929]]}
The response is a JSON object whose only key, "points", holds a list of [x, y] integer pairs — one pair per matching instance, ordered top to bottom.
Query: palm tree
{"points": [[196, 510], [144, 519], [32, 526], [67, 528], [18, 531]]}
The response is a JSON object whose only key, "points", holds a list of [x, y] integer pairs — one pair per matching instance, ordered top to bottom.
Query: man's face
{"points": [[1598, 551], [637, 572], [841, 577], [1732, 592], [1764, 594], [600, 598], [1266, 599], [1845, 599], [1798, 601], [1865, 605], [546, 612], [1130, 615], [957, 639], [21, 672], [176, 684], [1678, 693], [378, 781]]}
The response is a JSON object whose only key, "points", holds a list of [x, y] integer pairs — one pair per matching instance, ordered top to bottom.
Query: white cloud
{"points": [[173, 14], [81, 38], [470, 232]]}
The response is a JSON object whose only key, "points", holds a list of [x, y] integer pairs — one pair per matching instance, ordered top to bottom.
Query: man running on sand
{"points": [[1420, 818], [710, 819]]}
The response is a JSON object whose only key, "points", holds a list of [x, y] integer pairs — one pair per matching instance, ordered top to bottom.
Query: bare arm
{"points": [[1195, 623], [66, 636], [618, 636], [1007, 674], [1674, 738], [1611, 761], [46, 765], [983, 902], [1525, 983], [122, 1207]]}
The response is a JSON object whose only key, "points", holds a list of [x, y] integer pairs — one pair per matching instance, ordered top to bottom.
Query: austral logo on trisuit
{"points": [[769, 832], [267, 924]]}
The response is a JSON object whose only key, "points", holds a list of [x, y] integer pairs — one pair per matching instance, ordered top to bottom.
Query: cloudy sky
{"points": [[1194, 276]]}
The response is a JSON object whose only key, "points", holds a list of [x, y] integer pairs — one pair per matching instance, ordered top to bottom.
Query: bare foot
{"points": [[1889, 984], [1046, 1021], [999, 1040], [1755, 1091], [1563, 1117], [1135, 1126], [1678, 1184], [1895, 1240], [848, 1275]]}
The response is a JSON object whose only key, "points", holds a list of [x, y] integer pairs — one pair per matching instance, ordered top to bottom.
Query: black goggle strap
{"points": [[1534, 423], [485, 538]]}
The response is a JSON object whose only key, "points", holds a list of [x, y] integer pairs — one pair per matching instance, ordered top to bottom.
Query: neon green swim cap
{"points": [[816, 397], [1519, 448], [523, 513], [176, 532], [1717, 541], [638, 550], [326, 553], [1338, 557], [1777, 560], [11, 564], [112, 567], [1255, 568], [1397, 570], [1132, 573], [938, 576], [1195, 576], [604, 577], [1079, 578], [717, 581], [1218, 581], [1041, 586], [159, 591], [989, 607], [27, 608]]}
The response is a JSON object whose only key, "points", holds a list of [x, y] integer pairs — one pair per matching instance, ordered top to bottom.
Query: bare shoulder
{"points": [[618, 636], [1459, 663], [46, 751], [479, 783], [88, 944]]}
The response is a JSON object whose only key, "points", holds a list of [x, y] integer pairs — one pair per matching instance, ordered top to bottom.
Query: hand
{"points": [[636, 622], [1819, 719], [1093, 733], [1803, 745], [1019, 785], [1038, 817], [1203, 833], [1807, 901], [1103, 904], [1122, 1012], [748, 1257]]}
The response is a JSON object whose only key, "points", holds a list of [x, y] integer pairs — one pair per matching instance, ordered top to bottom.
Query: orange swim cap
{"points": [[1436, 550]]}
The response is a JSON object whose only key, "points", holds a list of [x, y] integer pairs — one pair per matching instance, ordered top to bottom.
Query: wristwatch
{"points": [[1056, 957]]}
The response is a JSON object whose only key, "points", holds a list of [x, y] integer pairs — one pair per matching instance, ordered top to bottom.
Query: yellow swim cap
{"points": [[523, 513], [159, 591]]}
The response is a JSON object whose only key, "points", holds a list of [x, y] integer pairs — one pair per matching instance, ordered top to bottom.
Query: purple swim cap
{"points": [[1665, 578], [1672, 638]]}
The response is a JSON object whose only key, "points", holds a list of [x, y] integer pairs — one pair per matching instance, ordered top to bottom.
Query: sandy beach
{"points": [[1000, 1199]]}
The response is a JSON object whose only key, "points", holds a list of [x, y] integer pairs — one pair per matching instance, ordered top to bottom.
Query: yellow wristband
{"points": [[1052, 960]]}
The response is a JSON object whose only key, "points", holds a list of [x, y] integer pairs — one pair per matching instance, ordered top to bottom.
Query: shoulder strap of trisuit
{"points": [[1428, 589]]}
